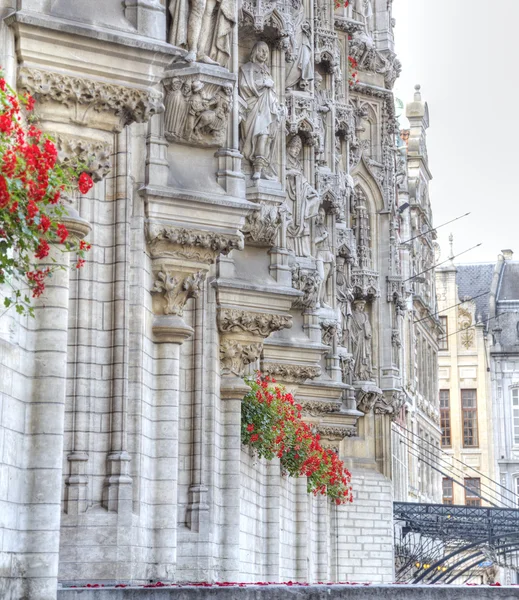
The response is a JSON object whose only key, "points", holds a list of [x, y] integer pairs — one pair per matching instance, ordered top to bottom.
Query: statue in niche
{"points": [[204, 28], [301, 70], [323, 104], [261, 125], [302, 201], [362, 230], [324, 255], [344, 295], [359, 331]]}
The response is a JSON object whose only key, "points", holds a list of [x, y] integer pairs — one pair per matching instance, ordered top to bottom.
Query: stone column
{"points": [[169, 332], [241, 341], [232, 391], [40, 518]]}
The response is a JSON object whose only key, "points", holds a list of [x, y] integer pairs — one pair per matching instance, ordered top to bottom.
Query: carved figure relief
{"points": [[204, 29], [301, 70], [323, 105], [197, 112], [260, 128], [302, 201], [261, 226], [324, 255], [308, 282], [359, 330]]}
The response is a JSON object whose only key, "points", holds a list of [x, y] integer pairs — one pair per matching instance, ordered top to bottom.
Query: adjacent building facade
{"points": [[248, 213], [504, 371], [466, 402]]}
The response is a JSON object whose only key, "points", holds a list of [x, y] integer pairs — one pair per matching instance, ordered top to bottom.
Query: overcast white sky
{"points": [[464, 54]]}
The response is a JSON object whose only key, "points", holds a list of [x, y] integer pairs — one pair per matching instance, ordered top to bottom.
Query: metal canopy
{"points": [[438, 543]]}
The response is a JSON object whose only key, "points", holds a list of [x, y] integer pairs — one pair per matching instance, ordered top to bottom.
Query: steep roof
{"points": [[474, 280], [509, 283]]}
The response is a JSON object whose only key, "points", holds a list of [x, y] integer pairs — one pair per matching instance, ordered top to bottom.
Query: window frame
{"points": [[443, 342], [515, 409], [465, 411], [445, 412], [451, 497], [472, 500]]}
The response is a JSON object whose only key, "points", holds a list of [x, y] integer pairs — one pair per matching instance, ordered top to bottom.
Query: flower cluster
{"points": [[342, 4], [353, 71], [31, 214], [272, 426]]}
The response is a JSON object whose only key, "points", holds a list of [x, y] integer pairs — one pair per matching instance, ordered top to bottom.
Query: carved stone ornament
{"points": [[259, 14], [326, 47], [364, 51], [198, 102], [130, 104], [300, 115], [345, 121], [93, 156], [262, 226], [191, 244], [346, 245], [309, 282], [365, 283], [176, 288], [395, 289], [231, 320], [465, 326], [330, 331], [235, 355], [291, 373], [367, 395], [389, 403], [317, 408], [336, 432]]}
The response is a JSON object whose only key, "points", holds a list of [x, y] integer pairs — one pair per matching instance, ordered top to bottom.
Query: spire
{"points": [[417, 93], [451, 245]]}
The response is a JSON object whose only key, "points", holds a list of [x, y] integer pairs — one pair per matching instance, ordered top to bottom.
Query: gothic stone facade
{"points": [[245, 216], [416, 430]]}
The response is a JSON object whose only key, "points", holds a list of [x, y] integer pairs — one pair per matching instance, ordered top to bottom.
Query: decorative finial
{"points": [[417, 94], [451, 244]]}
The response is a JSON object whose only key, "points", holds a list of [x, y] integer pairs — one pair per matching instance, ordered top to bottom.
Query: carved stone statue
{"points": [[204, 28], [301, 70], [323, 106], [176, 109], [261, 125], [302, 202], [362, 230], [324, 254], [344, 295], [359, 329]]}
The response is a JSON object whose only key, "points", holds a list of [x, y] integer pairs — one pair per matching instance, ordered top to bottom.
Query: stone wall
{"points": [[245, 216]]}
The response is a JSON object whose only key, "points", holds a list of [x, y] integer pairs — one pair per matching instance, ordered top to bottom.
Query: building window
{"points": [[444, 339], [469, 409], [515, 415], [445, 418], [447, 491], [472, 491]]}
